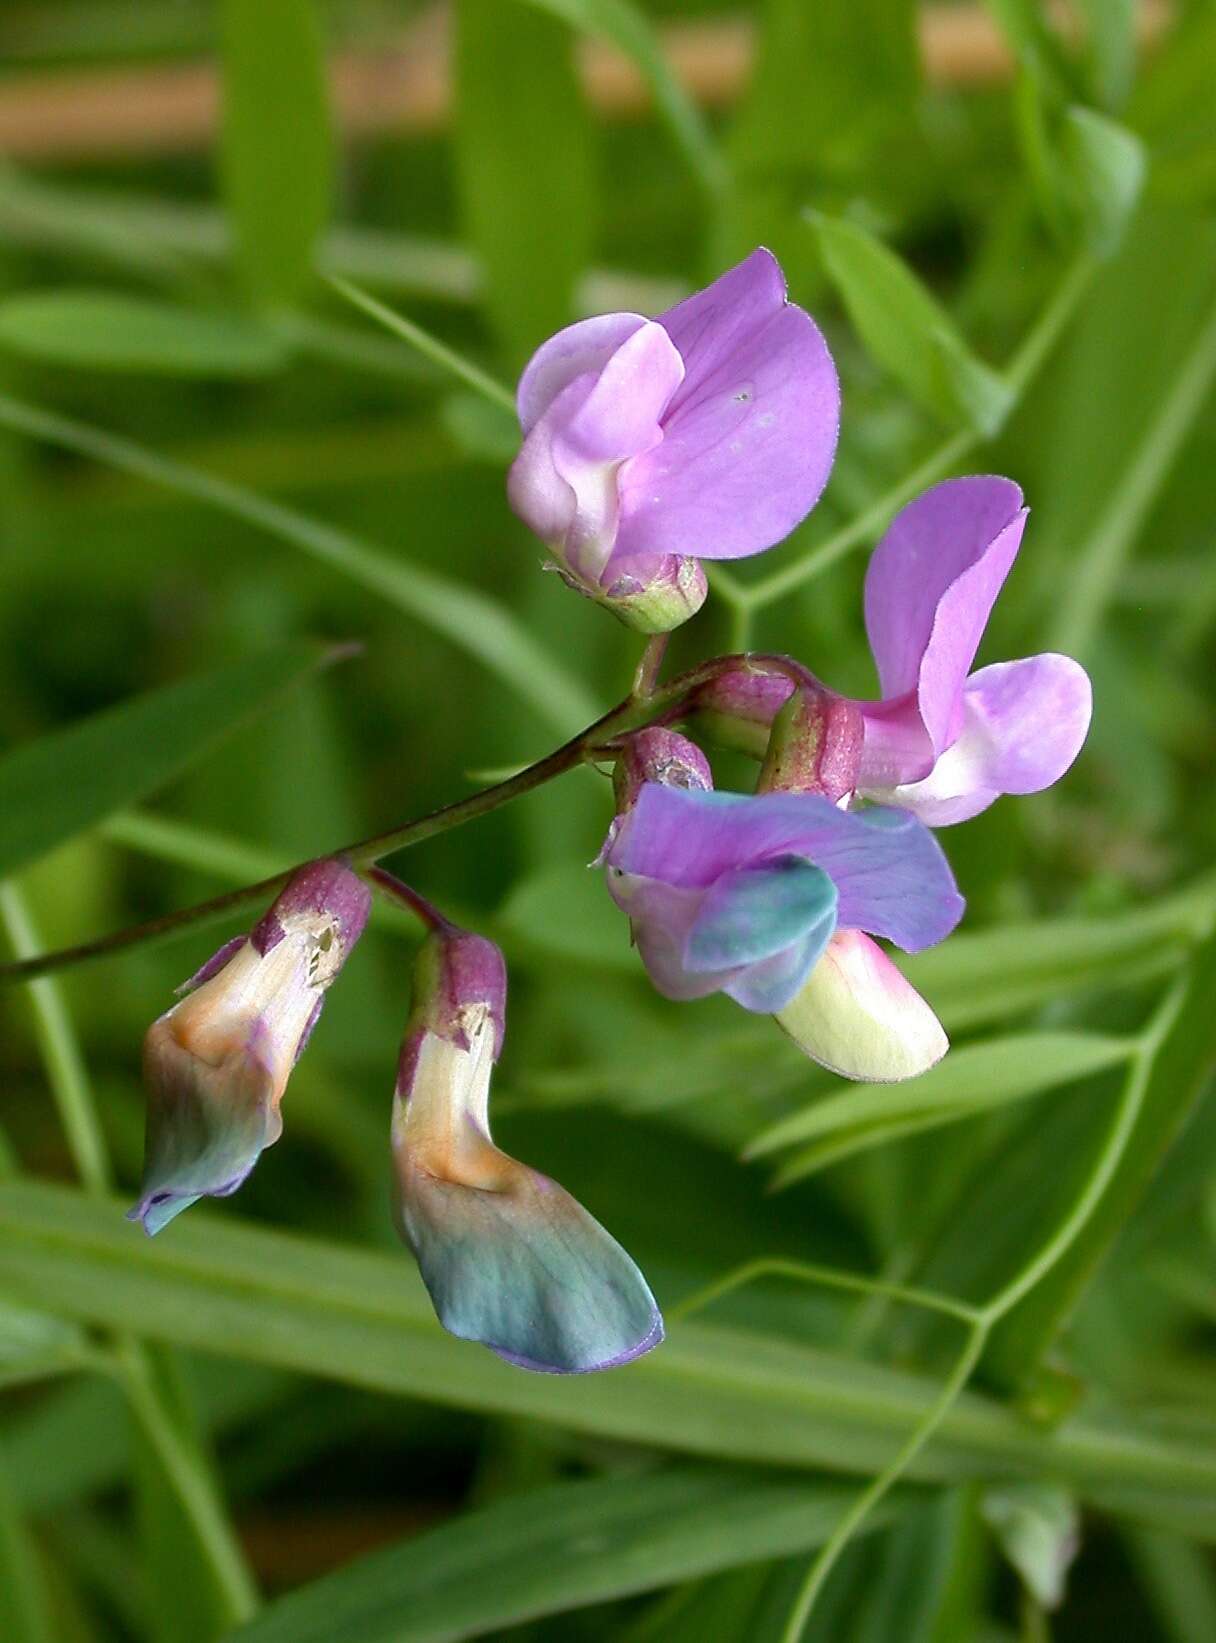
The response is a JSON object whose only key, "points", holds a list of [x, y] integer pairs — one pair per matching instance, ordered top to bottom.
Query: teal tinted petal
{"points": [[754, 913], [775, 982], [206, 1127], [508, 1257], [523, 1268]]}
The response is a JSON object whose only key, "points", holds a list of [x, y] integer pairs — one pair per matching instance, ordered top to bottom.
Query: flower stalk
{"points": [[661, 704]]}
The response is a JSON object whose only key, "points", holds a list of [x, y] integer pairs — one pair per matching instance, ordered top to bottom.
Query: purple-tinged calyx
{"points": [[652, 444], [736, 708], [814, 746], [658, 755], [216, 1064], [507, 1255]]}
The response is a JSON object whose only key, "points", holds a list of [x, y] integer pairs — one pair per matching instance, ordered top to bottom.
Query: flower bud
{"points": [[648, 595], [737, 709], [814, 746], [658, 755], [217, 1063], [508, 1257]]}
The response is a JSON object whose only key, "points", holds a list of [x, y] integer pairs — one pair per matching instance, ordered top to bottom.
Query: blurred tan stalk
{"points": [[100, 114]]}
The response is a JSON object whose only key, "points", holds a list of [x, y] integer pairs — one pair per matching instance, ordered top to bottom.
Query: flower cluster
{"points": [[649, 446]]}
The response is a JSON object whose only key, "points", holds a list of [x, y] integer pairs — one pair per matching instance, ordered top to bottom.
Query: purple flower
{"points": [[648, 444], [944, 742], [741, 894], [216, 1065], [508, 1257]]}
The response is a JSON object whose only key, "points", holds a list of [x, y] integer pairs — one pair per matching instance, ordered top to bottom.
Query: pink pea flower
{"points": [[649, 445], [943, 742], [741, 894]]}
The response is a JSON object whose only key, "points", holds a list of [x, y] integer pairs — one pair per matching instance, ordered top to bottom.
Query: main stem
{"points": [[643, 706]]}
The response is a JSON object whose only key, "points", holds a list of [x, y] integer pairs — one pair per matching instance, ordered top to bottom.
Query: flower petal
{"points": [[586, 346], [749, 436], [564, 482], [930, 586], [1024, 723], [889, 872], [753, 913], [661, 916], [773, 983], [859, 1017], [208, 1122], [508, 1257]]}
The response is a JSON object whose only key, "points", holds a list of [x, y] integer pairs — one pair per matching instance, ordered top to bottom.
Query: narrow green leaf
{"points": [[624, 24], [1035, 43], [1110, 48], [830, 106], [276, 159], [523, 164], [1104, 167], [100, 330], [907, 330], [481, 429], [466, 616], [57, 786], [564, 909], [972, 979], [1176, 1071], [979, 1075], [363, 1318], [73, 1442], [553, 1550], [914, 1574], [1178, 1581], [185, 1605], [25, 1614]]}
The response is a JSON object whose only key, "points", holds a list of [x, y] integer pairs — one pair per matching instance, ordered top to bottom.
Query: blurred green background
{"points": [[1004, 217]]}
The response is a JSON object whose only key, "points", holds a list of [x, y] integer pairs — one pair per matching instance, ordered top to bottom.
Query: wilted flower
{"points": [[650, 444], [740, 894], [217, 1063], [508, 1257]]}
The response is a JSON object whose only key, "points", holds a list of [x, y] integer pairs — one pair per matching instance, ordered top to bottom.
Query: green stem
{"points": [[425, 343], [1022, 368], [866, 524], [1098, 562], [467, 618], [650, 665], [631, 714], [65, 1067], [1123, 1123], [830, 1277], [985, 1318], [184, 1466], [187, 1471], [849, 1524], [25, 1597]]}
